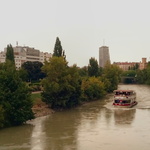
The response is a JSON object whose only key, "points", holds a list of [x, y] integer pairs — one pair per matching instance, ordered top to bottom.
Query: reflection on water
{"points": [[124, 116], [95, 125], [61, 130], [38, 134]]}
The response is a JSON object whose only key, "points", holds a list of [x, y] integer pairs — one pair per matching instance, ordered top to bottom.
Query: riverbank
{"points": [[40, 108]]}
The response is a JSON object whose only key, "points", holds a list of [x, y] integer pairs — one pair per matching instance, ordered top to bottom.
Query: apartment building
{"points": [[25, 53]]}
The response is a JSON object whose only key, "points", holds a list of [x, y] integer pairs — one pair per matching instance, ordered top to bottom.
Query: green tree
{"points": [[58, 51], [10, 54], [93, 67], [33, 70], [83, 72], [129, 73], [23, 74], [113, 74], [147, 75], [129, 76], [141, 76], [107, 83], [61, 85], [92, 89], [15, 97], [1, 116]]}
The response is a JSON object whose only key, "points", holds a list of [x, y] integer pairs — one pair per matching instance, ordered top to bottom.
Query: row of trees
{"points": [[15, 100]]}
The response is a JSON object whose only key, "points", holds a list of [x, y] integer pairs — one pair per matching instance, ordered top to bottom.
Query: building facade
{"points": [[24, 54], [104, 56], [129, 65]]}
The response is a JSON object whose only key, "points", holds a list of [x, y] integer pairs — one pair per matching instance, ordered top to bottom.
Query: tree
{"points": [[58, 51], [10, 54], [93, 67], [33, 70], [83, 72], [148, 74], [113, 75], [141, 76], [62, 84], [93, 89], [15, 97], [1, 116]]}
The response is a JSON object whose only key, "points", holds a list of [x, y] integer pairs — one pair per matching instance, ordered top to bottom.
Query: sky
{"points": [[81, 25]]}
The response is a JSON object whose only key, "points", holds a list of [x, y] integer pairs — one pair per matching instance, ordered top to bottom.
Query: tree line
{"points": [[63, 86]]}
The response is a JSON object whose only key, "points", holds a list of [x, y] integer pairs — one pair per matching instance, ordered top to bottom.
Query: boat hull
{"points": [[118, 105]]}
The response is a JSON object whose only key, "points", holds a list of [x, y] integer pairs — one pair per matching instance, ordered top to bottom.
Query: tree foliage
{"points": [[58, 51], [10, 54], [93, 67], [33, 70], [83, 72], [129, 73], [113, 75], [143, 76], [61, 85], [93, 89], [15, 102], [1, 116]]}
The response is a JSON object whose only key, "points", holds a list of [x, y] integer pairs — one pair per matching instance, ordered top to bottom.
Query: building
{"points": [[24, 54], [104, 56], [143, 64], [129, 65]]}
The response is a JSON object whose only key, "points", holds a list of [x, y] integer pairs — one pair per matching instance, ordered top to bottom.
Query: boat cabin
{"points": [[124, 92], [124, 98]]}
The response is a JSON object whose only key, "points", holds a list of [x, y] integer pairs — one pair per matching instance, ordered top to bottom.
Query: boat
{"points": [[124, 98]]}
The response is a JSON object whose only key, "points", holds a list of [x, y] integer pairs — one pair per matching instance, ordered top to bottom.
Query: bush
{"points": [[35, 87]]}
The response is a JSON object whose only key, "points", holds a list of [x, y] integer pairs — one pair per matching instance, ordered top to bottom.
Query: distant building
{"points": [[24, 54], [104, 56], [143, 64], [129, 65]]}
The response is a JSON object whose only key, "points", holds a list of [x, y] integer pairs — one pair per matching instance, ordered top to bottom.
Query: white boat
{"points": [[124, 98]]}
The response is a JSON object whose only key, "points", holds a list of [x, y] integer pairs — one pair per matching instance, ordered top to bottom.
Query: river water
{"points": [[92, 126]]}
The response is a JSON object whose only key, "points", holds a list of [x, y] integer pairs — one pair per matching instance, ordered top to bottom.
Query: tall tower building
{"points": [[104, 56]]}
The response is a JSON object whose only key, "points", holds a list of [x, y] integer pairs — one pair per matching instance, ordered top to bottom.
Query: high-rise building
{"points": [[104, 56]]}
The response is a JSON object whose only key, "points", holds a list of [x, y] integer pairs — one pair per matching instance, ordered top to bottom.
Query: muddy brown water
{"points": [[93, 126]]}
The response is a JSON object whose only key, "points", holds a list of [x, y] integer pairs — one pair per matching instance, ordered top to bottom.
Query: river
{"points": [[93, 126]]}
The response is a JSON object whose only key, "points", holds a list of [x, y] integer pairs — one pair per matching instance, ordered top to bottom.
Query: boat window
{"points": [[117, 93], [128, 93], [117, 101], [126, 101]]}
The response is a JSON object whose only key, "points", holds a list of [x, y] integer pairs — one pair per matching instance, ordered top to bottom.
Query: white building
{"points": [[25, 53]]}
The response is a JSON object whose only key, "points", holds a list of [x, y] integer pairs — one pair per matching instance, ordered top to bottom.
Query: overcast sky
{"points": [[82, 26]]}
